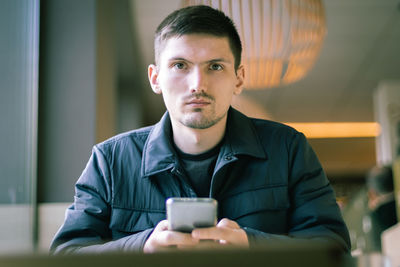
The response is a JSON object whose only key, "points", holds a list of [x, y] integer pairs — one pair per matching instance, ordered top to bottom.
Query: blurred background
{"points": [[74, 73]]}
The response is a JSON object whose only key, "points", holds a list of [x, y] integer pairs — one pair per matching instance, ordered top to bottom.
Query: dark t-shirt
{"points": [[199, 169]]}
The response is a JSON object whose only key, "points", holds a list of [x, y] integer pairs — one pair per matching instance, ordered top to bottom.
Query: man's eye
{"points": [[179, 65], [216, 67]]}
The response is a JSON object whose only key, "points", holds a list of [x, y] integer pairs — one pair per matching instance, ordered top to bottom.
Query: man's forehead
{"points": [[208, 47]]}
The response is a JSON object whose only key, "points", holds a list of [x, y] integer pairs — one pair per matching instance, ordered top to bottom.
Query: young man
{"points": [[267, 180]]}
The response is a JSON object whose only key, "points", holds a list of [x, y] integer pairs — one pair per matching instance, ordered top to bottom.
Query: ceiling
{"points": [[362, 48]]}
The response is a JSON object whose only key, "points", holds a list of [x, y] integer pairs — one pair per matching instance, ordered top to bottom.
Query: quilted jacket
{"points": [[267, 178]]}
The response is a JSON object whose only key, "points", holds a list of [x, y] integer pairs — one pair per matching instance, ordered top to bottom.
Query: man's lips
{"points": [[198, 102]]}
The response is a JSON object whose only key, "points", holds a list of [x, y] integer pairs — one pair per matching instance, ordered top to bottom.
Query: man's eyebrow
{"points": [[178, 59], [215, 60], [219, 60]]}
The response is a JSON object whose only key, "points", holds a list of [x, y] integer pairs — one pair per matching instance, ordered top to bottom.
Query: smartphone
{"points": [[185, 214]]}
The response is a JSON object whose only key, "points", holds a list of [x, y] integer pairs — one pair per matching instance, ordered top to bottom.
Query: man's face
{"points": [[197, 79]]}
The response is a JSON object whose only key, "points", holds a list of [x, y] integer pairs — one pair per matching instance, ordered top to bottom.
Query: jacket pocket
{"points": [[264, 209], [133, 221]]}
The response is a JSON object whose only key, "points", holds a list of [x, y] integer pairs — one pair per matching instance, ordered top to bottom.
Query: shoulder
{"points": [[269, 125], [263, 127], [267, 129], [268, 133], [279, 137], [134, 138]]}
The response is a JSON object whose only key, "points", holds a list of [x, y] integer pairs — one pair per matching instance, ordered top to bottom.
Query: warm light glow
{"points": [[281, 39], [336, 129]]}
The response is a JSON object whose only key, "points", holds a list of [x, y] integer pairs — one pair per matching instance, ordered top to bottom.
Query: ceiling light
{"points": [[281, 38], [337, 129]]}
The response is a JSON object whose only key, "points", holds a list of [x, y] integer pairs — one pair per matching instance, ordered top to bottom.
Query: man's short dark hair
{"points": [[199, 19]]}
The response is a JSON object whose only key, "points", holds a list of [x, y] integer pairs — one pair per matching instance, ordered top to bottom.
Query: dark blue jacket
{"points": [[267, 178]]}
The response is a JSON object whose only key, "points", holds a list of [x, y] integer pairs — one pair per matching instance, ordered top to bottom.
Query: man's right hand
{"points": [[163, 239]]}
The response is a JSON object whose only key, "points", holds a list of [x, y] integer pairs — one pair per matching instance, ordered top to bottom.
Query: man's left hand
{"points": [[226, 232]]}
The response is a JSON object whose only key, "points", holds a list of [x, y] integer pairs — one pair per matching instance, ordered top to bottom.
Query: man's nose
{"points": [[198, 80]]}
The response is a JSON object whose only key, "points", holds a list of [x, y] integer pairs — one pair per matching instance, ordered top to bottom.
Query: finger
{"points": [[228, 223], [162, 226], [222, 229], [213, 233], [224, 235], [168, 238], [162, 239]]}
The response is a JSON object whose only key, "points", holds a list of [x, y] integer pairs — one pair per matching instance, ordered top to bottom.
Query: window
{"points": [[18, 116]]}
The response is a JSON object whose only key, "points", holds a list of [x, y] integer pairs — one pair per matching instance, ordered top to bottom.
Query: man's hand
{"points": [[226, 232], [162, 239]]}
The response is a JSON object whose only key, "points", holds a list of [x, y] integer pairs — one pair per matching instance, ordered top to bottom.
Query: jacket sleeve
{"points": [[313, 212], [86, 224]]}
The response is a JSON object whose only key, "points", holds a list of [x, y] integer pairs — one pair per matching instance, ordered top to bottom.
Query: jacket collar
{"points": [[240, 138]]}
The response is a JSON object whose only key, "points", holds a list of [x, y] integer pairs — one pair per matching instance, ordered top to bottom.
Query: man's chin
{"points": [[199, 121], [200, 125]]}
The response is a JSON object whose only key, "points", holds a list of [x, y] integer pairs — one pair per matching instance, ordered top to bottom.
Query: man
{"points": [[267, 180]]}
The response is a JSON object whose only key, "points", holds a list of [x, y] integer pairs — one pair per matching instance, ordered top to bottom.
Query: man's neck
{"points": [[196, 141]]}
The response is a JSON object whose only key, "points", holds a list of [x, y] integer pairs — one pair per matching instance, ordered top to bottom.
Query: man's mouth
{"points": [[199, 100], [198, 103]]}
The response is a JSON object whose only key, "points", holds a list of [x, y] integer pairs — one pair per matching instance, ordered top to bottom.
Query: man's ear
{"points": [[152, 73], [240, 80]]}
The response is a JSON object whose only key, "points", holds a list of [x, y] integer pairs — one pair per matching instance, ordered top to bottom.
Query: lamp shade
{"points": [[281, 38]]}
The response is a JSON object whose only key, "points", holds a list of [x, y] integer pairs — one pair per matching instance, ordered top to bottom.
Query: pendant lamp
{"points": [[281, 39]]}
